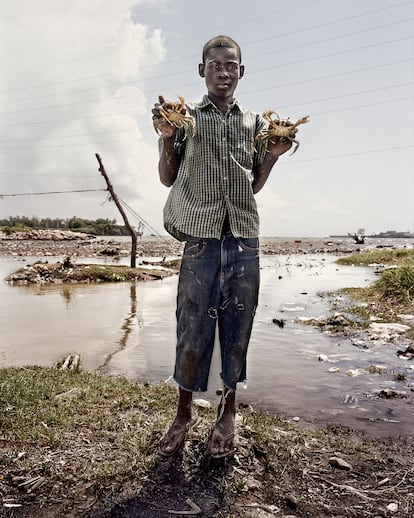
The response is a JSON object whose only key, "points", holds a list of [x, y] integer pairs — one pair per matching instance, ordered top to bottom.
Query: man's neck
{"points": [[222, 103]]}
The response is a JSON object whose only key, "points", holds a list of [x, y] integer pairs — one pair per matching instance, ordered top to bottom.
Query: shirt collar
{"points": [[207, 102]]}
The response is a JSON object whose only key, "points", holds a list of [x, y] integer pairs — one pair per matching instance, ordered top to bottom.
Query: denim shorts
{"points": [[218, 286]]}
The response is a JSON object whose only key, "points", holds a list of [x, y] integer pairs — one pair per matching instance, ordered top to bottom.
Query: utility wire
{"points": [[279, 35], [278, 51], [254, 71], [279, 86], [309, 101], [139, 139], [282, 164], [49, 192], [144, 222]]}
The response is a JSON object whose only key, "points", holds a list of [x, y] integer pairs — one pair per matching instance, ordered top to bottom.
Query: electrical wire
{"points": [[279, 35], [48, 192]]}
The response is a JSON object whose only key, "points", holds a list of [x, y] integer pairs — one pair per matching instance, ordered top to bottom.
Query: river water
{"points": [[129, 329]]}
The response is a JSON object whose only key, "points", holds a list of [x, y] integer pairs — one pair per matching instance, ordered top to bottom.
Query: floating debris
{"points": [[279, 322], [408, 354], [355, 372]]}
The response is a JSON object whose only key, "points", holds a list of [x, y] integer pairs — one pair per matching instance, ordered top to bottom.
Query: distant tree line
{"points": [[99, 227]]}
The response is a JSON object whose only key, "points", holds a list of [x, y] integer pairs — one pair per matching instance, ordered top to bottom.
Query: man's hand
{"points": [[167, 130], [279, 146]]}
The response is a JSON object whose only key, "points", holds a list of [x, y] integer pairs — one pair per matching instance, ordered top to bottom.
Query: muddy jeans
{"points": [[218, 285]]}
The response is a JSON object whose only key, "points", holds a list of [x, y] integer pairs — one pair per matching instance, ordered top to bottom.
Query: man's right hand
{"points": [[166, 129]]}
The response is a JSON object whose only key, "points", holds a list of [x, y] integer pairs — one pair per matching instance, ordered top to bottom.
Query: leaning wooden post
{"points": [[121, 210]]}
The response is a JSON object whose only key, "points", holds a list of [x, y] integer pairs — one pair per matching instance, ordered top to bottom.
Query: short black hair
{"points": [[220, 41]]}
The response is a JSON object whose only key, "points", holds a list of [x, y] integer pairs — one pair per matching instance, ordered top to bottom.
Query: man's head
{"points": [[220, 41], [221, 67]]}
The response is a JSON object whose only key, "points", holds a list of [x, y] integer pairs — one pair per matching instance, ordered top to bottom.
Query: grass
{"points": [[381, 256], [395, 285], [105, 429], [72, 440]]}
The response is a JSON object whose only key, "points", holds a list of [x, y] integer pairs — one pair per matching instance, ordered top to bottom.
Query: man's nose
{"points": [[223, 72]]}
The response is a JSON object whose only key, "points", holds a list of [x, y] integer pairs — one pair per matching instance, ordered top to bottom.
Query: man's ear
{"points": [[201, 68], [241, 71]]}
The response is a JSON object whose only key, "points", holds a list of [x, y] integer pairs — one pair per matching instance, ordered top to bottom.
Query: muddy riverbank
{"points": [[37, 243]]}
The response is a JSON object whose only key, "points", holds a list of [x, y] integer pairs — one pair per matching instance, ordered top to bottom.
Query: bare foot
{"points": [[174, 438]]}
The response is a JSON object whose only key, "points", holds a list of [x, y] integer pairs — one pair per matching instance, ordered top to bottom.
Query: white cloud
{"points": [[72, 89]]}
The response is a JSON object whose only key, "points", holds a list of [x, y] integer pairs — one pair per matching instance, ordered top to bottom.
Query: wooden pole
{"points": [[121, 210]]}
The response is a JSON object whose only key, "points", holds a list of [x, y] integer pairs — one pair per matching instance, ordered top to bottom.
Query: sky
{"points": [[79, 78]]}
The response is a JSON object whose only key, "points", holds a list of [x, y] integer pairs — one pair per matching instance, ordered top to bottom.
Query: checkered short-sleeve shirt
{"points": [[215, 174]]}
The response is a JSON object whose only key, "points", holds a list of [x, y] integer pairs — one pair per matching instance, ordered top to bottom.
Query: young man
{"points": [[213, 177]]}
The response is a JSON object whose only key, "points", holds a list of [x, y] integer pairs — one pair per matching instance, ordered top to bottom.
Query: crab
{"points": [[174, 114], [283, 128]]}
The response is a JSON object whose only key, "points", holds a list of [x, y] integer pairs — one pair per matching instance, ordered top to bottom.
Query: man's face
{"points": [[221, 71]]}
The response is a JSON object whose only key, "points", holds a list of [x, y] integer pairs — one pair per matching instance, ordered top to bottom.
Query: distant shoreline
{"points": [[382, 235]]}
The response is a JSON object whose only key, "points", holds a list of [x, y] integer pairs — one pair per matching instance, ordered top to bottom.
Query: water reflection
{"points": [[128, 326]]}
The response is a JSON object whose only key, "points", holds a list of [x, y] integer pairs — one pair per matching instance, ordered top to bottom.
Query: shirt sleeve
{"points": [[179, 143], [260, 149]]}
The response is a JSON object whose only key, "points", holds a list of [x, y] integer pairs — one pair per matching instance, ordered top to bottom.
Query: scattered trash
{"points": [[292, 306], [279, 321], [386, 331], [360, 344], [408, 354], [71, 362], [355, 372], [391, 394], [349, 399], [202, 403], [338, 462], [392, 507], [195, 509]]}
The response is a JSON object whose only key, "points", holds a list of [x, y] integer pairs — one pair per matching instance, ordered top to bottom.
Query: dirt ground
{"points": [[283, 471], [279, 482]]}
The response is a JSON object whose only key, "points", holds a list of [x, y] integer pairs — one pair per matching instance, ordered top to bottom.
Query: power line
{"points": [[279, 35], [279, 50], [332, 54], [254, 71], [279, 86], [309, 101], [281, 107], [69, 136], [356, 153], [286, 163], [48, 192], [143, 221]]}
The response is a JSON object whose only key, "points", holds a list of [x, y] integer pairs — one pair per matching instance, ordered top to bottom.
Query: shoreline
{"points": [[65, 243]]}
